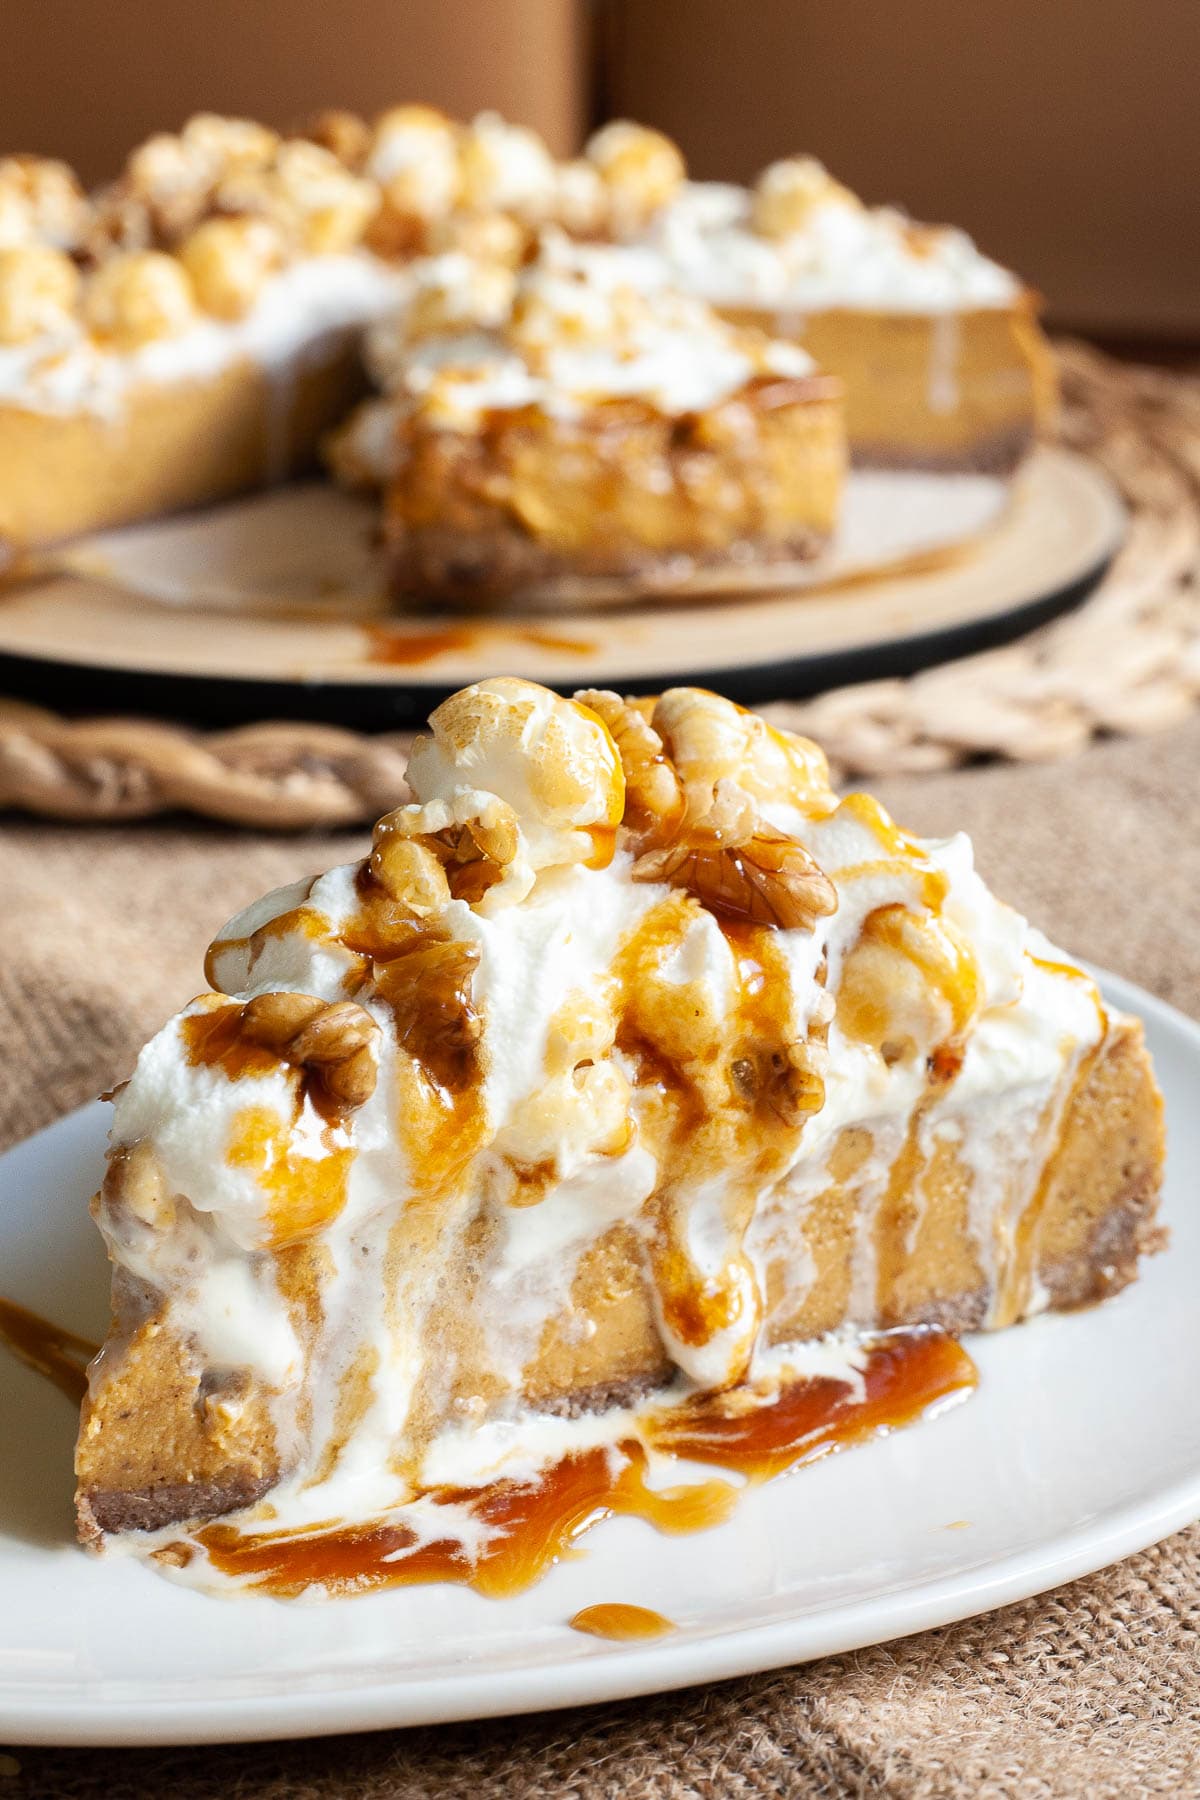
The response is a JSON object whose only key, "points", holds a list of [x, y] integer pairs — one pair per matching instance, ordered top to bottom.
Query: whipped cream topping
{"points": [[843, 255], [298, 311], [580, 323], [521, 1106]]}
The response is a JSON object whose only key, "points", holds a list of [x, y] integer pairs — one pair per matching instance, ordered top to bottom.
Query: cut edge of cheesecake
{"points": [[1099, 1221]]}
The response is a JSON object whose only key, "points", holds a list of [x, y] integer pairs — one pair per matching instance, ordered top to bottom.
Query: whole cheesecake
{"points": [[195, 329]]}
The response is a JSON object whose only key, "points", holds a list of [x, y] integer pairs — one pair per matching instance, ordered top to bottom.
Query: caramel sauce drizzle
{"points": [[412, 649], [716, 1092], [303, 1193], [1015, 1282], [48, 1349], [532, 1525], [622, 1622]]}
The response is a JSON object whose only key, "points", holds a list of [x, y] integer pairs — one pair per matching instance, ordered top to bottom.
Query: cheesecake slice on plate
{"points": [[632, 1081]]}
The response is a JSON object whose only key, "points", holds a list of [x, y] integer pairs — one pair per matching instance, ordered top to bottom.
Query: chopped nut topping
{"points": [[653, 794], [461, 849], [739, 867], [333, 1041]]}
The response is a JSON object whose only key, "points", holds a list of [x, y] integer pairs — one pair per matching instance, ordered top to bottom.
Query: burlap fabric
{"points": [[1093, 1690]]}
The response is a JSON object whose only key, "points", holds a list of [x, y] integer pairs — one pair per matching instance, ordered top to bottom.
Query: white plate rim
{"points": [[626, 1671]]}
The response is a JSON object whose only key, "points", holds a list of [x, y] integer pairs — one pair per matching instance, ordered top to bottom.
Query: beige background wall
{"points": [[85, 79], [1065, 134]]}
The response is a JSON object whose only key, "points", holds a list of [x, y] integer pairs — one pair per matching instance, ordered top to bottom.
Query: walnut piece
{"points": [[653, 794], [458, 849], [740, 867], [333, 1041]]}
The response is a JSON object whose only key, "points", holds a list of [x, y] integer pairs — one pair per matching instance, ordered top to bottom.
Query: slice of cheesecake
{"points": [[194, 329], [938, 348], [579, 430], [630, 1060]]}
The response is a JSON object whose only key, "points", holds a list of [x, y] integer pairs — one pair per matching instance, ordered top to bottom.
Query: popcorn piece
{"points": [[344, 134], [228, 144], [414, 156], [506, 168], [641, 169], [169, 181], [788, 193], [41, 202], [581, 204], [318, 205], [484, 237], [229, 261], [39, 292], [138, 296], [557, 303], [710, 740], [551, 760], [908, 985], [582, 1112]]}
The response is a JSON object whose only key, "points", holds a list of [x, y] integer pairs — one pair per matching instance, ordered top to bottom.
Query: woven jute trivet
{"points": [[1128, 661]]}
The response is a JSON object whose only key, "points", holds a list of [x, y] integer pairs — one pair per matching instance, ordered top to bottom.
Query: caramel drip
{"points": [[903, 852], [426, 978], [715, 1091], [303, 1193], [1014, 1287], [48, 1349], [908, 1374], [355, 1396], [527, 1527], [621, 1622]]}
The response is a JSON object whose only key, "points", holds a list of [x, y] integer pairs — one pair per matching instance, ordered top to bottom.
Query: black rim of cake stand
{"points": [[226, 701]]}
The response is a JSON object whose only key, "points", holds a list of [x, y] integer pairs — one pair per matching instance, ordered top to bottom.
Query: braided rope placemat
{"points": [[1127, 661]]}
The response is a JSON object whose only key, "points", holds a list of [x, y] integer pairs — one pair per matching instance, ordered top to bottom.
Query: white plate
{"points": [[1082, 1445]]}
